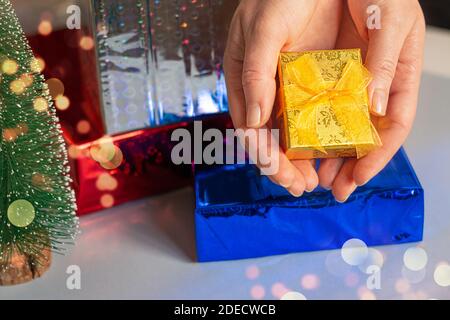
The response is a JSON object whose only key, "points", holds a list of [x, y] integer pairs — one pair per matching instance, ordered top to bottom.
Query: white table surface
{"points": [[145, 249]]}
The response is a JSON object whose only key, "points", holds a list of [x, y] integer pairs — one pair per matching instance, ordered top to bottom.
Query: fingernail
{"points": [[379, 102], [253, 115], [363, 183], [296, 189], [295, 193], [341, 201]]}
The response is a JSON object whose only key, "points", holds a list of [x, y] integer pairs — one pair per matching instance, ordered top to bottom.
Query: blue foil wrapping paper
{"points": [[160, 62], [242, 214]]}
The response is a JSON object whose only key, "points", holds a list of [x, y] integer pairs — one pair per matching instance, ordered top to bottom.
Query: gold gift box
{"points": [[322, 105]]}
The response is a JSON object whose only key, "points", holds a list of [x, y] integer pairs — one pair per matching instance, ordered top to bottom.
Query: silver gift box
{"points": [[160, 61]]}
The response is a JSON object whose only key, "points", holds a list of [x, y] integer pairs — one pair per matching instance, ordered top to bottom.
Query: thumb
{"points": [[383, 54], [258, 74]]}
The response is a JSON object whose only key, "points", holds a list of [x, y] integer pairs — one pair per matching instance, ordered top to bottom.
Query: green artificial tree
{"points": [[37, 204]]}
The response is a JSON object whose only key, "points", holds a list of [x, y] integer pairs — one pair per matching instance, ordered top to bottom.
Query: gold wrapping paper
{"points": [[323, 104]]}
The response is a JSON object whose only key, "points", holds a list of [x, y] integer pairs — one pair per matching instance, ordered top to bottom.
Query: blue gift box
{"points": [[242, 214]]}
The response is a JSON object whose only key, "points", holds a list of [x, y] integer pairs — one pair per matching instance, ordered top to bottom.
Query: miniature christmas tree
{"points": [[37, 204]]}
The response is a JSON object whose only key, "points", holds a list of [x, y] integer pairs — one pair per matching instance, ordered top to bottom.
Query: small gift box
{"points": [[322, 104], [256, 217]]}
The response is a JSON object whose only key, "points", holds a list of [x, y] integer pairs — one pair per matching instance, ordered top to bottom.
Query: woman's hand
{"points": [[259, 31], [394, 55]]}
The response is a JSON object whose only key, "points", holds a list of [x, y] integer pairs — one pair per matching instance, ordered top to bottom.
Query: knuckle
{"points": [[386, 68], [250, 76]]}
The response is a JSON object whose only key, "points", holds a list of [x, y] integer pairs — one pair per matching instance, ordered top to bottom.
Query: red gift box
{"points": [[113, 170], [107, 171]]}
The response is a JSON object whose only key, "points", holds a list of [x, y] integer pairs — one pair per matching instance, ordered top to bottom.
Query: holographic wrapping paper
{"points": [[160, 62], [242, 214]]}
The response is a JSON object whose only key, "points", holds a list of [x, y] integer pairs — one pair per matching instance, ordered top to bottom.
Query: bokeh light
{"points": [[45, 28], [87, 43], [37, 65], [9, 67], [27, 79], [17, 86], [56, 87], [62, 102], [40, 104], [83, 127], [21, 128], [9, 134], [102, 150], [73, 151], [115, 162], [105, 181], [42, 182], [107, 200], [21, 213], [354, 252], [374, 257], [415, 258], [252, 272], [442, 274], [351, 279], [310, 281], [402, 286], [279, 290], [257, 292], [366, 294], [293, 295]]}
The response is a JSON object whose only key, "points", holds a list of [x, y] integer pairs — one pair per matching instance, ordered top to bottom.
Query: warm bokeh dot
{"points": [[45, 28], [86, 43], [37, 65], [9, 67], [27, 79], [17, 86], [55, 86], [62, 102], [40, 104], [83, 127], [21, 128], [9, 134], [103, 150], [73, 151], [115, 162], [105, 181], [42, 182], [107, 201], [252, 272], [310, 281], [402, 286], [279, 290], [257, 292]]}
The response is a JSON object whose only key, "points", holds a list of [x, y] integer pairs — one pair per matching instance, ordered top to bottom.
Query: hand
{"points": [[259, 31], [394, 55]]}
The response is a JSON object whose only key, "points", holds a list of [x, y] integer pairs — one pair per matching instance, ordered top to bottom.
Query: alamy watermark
{"points": [[212, 147]]}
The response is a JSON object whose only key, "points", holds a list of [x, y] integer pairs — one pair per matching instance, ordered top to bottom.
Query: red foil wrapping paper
{"points": [[114, 170]]}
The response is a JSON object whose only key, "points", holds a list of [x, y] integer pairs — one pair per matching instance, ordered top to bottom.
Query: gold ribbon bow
{"points": [[347, 98]]}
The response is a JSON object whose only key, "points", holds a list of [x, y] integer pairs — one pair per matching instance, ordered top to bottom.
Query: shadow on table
{"points": [[168, 224]]}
